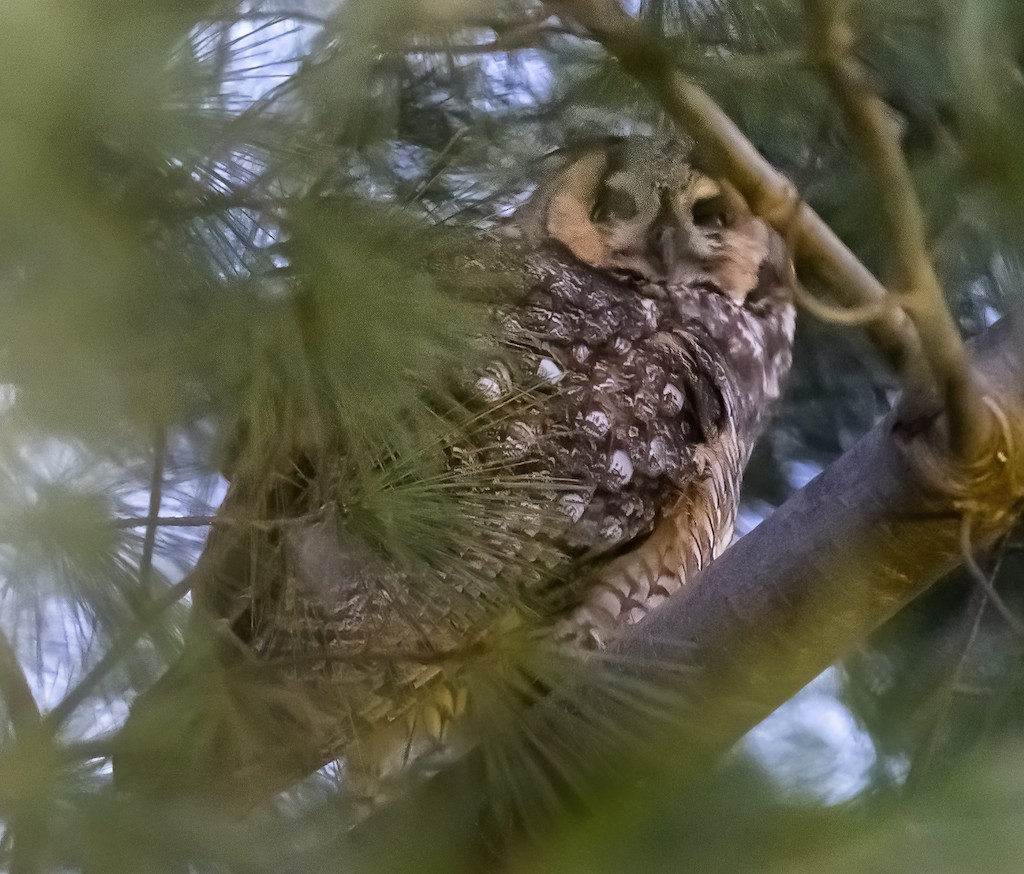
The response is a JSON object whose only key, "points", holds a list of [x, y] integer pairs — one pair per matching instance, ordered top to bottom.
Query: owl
{"points": [[651, 334]]}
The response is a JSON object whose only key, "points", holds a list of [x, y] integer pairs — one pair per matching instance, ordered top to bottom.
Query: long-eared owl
{"points": [[611, 430]]}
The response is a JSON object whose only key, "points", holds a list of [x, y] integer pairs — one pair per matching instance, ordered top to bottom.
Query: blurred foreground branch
{"points": [[15, 692]]}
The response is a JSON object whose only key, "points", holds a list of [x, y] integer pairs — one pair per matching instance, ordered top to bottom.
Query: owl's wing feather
{"points": [[604, 444], [688, 534]]}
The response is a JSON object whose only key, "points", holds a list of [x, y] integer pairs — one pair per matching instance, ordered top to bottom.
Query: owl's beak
{"points": [[668, 236], [668, 247]]}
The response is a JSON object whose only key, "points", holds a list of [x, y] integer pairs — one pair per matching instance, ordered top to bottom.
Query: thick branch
{"points": [[877, 135], [847, 552], [836, 561]]}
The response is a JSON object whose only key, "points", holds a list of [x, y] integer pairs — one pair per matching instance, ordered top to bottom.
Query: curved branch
{"points": [[877, 135], [816, 247], [864, 314]]}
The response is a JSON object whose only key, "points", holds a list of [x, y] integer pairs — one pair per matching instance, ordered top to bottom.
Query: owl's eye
{"points": [[614, 204], [711, 212]]}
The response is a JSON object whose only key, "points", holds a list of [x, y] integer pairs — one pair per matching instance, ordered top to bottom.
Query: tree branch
{"points": [[525, 36], [877, 135], [815, 245], [165, 521], [848, 551], [836, 561]]}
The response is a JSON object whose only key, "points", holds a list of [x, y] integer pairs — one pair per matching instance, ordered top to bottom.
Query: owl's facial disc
{"points": [[667, 225]]}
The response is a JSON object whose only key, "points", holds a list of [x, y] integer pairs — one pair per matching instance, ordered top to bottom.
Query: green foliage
{"points": [[229, 230]]}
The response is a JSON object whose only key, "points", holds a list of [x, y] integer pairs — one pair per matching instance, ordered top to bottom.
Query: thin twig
{"points": [[277, 16], [525, 36], [877, 135], [439, 165], [864, 314], [156, 492], [165, 521], [220, 521], [221, 545], [982, 579], [952, 685]]}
